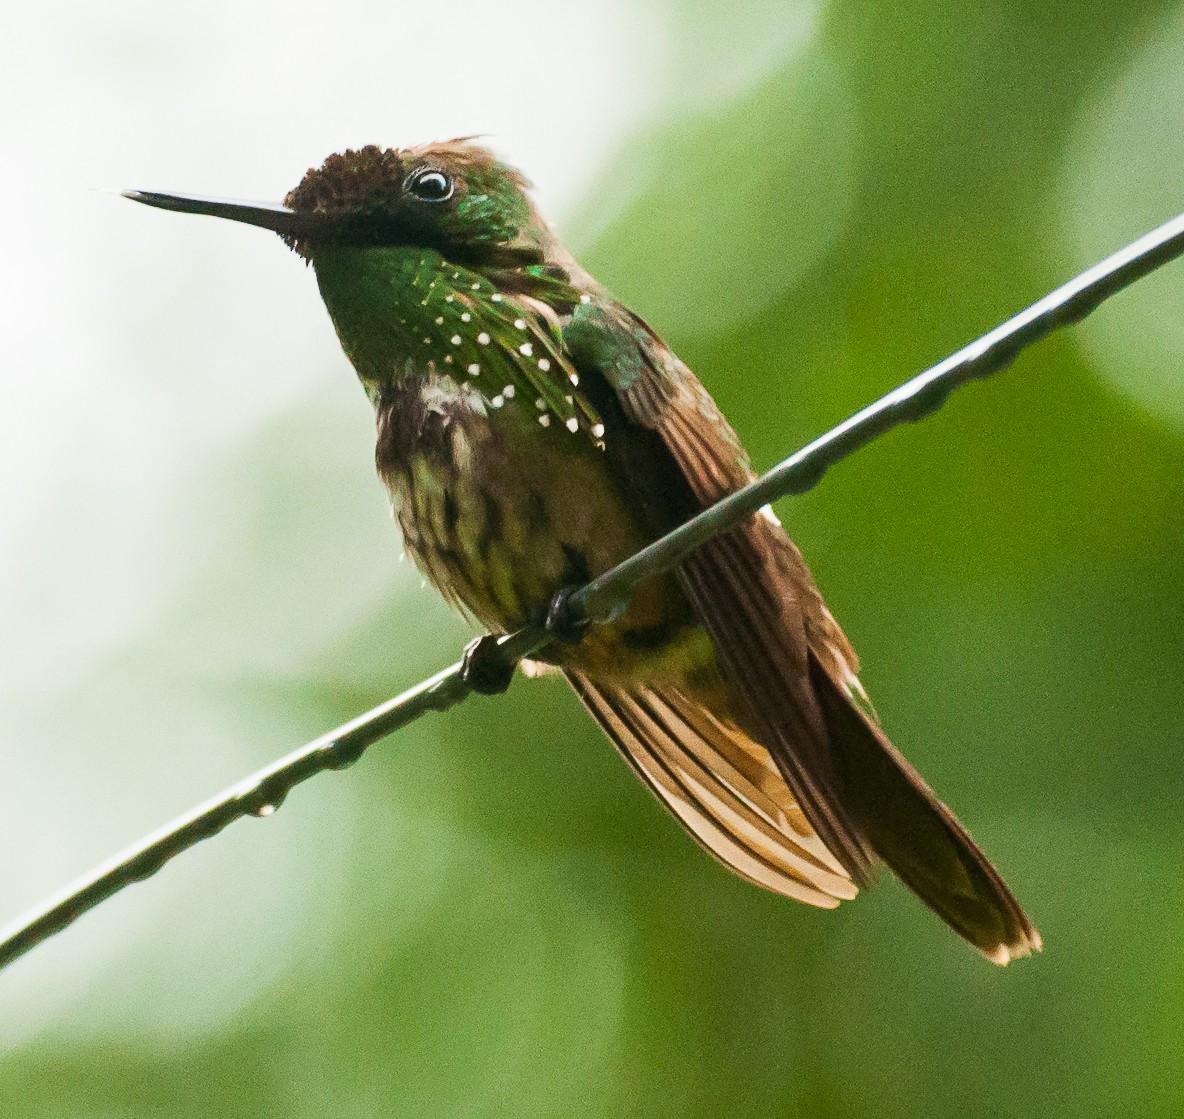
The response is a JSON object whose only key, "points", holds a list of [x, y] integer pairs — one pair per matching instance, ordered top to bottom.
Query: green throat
{"points": [[407, 312]]}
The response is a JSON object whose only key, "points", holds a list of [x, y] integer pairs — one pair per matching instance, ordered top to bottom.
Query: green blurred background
{"points": [[490, 916]]}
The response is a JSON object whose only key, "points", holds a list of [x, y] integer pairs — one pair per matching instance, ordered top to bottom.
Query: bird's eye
{"points": [[430, 185]]}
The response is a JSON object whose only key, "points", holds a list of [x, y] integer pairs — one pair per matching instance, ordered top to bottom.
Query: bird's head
{"points": [[454, 197]]}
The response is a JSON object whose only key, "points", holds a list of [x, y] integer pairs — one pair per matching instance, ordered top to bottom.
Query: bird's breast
{"points": [[499, 511]]}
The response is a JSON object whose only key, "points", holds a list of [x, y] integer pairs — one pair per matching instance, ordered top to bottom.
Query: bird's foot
{"points": [[561, 621], [485, 668]]}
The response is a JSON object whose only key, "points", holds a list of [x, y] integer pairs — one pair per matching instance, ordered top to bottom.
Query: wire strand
{"points": [[261, 793]]}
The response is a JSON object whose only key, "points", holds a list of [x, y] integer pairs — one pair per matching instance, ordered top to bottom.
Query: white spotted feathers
{"points": [[498, 342]]}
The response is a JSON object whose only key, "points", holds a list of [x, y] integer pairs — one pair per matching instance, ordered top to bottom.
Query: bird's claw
{"points": [[561, 621], [485, 668]]}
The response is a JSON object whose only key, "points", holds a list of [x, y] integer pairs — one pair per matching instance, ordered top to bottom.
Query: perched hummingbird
{"points": [[532, 433]]}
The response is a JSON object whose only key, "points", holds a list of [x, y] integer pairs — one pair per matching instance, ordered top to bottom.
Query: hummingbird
{"points": [[533, 432]]}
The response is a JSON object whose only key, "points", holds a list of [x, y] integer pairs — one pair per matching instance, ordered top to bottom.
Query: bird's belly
{"points": [[499, 515]]}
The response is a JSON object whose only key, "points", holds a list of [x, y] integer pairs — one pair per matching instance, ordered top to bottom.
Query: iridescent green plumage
{"points": [[454, 320], [532, 433]]}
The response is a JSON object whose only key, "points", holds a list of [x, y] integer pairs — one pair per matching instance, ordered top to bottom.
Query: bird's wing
{"points": [[749, 588], [785, 658]]}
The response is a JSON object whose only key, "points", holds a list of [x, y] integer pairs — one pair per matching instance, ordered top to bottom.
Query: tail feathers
{"points": [[721, 786], [866, 802], [916, 835]]}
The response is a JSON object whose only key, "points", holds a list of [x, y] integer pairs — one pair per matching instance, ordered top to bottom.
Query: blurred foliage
{"points": [[490, 916]]}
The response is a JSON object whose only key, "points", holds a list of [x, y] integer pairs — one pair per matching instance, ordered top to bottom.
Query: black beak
{"points": [[267, 215]]}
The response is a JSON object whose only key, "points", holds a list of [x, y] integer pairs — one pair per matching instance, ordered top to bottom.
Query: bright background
{"points": [[489, 916]]}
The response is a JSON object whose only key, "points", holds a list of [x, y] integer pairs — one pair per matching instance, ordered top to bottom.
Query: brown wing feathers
{"points": [[765, 662], [791, 668]]}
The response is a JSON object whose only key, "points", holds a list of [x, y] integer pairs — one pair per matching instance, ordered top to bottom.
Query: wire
{"points": [[604, 597]]}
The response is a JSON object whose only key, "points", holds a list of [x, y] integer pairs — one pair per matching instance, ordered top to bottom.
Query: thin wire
{"points": [[263, 792]]}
